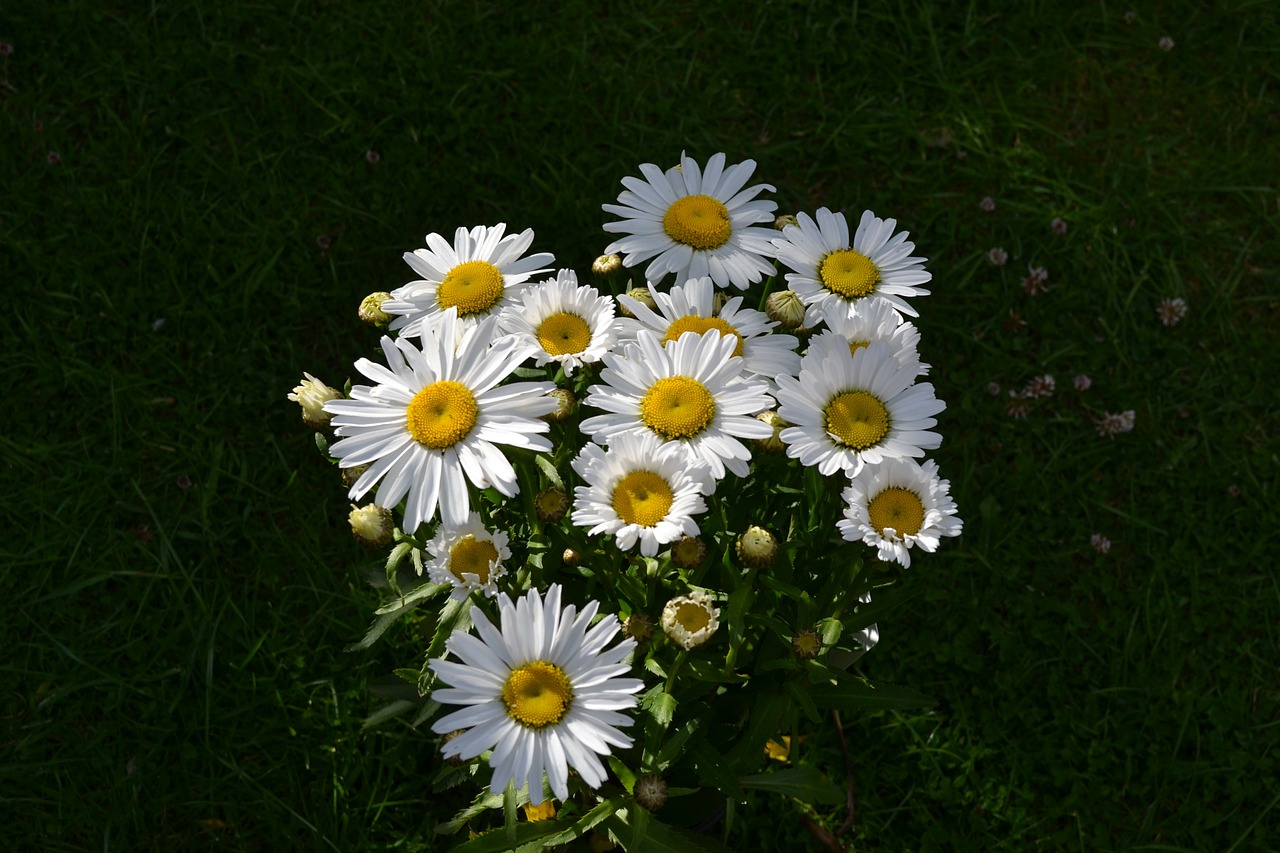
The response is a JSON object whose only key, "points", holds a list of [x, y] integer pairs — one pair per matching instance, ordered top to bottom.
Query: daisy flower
{"points": [[695, 223], [832, 271], [478, 275], [691, 308], [865, 322], [567, 324], [690, 394], [853, 409], [437, 413], [636, 492], [897, 505], [468, 557], [690, 620], [540, 690]]}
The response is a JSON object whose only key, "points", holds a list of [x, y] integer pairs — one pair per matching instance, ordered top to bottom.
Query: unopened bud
{"points": [[783, 220], [607, 268], [641, 295], [718, 300], [371, 309], [786, 309], [311, 395], [565, 402], [772, 444], [350, 475], [551, 504], [371, 525], [757, 547], [689, 552], [572, 558], [638, 627], [806, 644], [452, 760], [651, 792]]}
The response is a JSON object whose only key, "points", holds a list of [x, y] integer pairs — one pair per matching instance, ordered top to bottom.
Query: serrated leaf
{"points": [[549, 471], [376, 630], [661, 706], [623, 772], [806, 784], [482, 803], [584, 824]]}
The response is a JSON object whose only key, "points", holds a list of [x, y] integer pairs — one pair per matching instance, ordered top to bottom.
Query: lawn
{"points": [[197, 195]]}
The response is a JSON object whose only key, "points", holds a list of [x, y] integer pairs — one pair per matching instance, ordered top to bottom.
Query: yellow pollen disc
{"points": [[699, 221], [849, 274], [473, 287], [701, 325], [564, 334], [854, 346], [677, 407], [441, 414], [857, 420], [642, 497], [900, 509], [472, 556], [692, 617], [537, 694]]}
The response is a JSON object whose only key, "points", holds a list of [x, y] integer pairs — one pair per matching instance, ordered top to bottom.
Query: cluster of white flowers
{"points": [[686, 376]]}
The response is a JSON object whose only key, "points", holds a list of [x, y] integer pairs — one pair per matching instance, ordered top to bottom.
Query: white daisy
{"points": [[695, 223], [831, 271], [478, 275], [691, 308], [567, 324], [858, 324], [690, 394], [852, 409], [437, 413], [636, 492], [897, 505], [468, 557], [690, 620], [540, 690]]}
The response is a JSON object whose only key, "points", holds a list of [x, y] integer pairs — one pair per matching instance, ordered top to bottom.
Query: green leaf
{"points": [[549, 471], [411, 599], [884, 603], [454, 616], [376, 630], [803, 694], [861, 696], [661, 706], [389, 711], [673, 748], [711, 769], [623, 772], [806, 784], [482, 803], [509, 812], [588, 821], [662, 838], [498, 841]]}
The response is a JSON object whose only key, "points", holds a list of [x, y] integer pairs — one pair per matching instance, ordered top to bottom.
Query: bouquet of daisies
{"points": [[647, 533]]}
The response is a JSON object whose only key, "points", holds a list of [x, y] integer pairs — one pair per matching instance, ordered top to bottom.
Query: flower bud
{"points": [[783, 220], [607, 268], [641, 295], [718, 300], [371, 309], [786, 309], [311, 395], [565, 401], [772, 444], [350, 475], [551, 504], [371, 525], [756, 547], [689, 552], [572, 558], [690, 620], [638, 627], [806, 644], [453, 760], [651, 792]]}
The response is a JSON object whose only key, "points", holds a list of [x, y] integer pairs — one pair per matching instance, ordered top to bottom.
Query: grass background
{"points": [[188, 219]]}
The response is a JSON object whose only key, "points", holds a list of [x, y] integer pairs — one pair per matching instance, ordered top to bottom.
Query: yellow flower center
{"points": [[699, 221], [848, 273], [473, 287], [694, 323], [563, 334], [854, 346], [677, 407], [442, 414], [857, 420], [642, 497], [900, 509], [472, 556], [692, 617], [537, 694]]}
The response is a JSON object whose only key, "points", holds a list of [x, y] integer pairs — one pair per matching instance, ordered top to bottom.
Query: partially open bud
{"points": [[783, 220], [607, 268], [641, 295], [718, 300], [785, 308], [371, 309], [311, 395], [565, 402], [772, 444], [350, 475], [551, 504], [371, 525], [757, 547], [689, 552], [572, 558], [690, 620], [638, 627], [806, 644], [453, 760], [651, 792]]}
